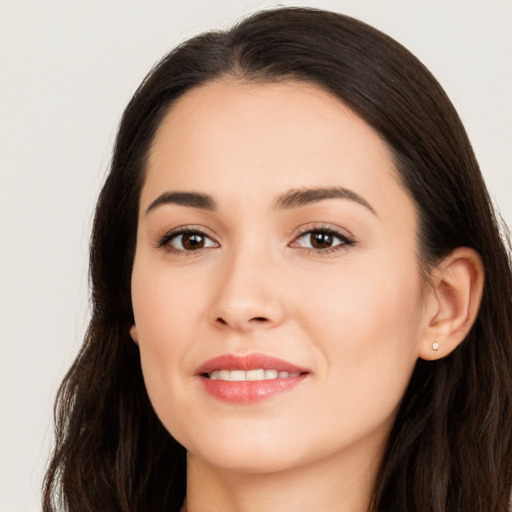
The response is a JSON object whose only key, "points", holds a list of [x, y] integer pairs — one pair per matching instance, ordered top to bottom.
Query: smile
{"points": [[250, 375], [248, 379]]}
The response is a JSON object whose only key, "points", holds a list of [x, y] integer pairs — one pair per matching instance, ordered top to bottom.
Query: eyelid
{"points": [[322, 226], [343, 235], [163, 241]]}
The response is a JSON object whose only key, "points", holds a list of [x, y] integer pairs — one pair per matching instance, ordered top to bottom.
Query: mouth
{"points": [[250, 375], [248, 379]]}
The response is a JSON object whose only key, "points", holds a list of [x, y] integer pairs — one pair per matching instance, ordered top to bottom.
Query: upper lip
{"points": [[248, 362]]}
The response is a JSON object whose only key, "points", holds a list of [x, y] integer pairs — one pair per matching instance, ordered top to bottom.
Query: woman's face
{"points": [[274, 237]]}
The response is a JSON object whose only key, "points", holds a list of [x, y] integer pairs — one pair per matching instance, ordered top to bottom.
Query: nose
{"points": [[248, 294]]}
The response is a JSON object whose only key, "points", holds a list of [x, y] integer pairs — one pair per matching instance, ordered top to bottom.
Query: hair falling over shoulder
{"points": [[450, 449]]}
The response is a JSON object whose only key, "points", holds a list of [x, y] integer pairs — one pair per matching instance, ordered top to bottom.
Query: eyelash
{"points": [[165, 241], [345, 241]]}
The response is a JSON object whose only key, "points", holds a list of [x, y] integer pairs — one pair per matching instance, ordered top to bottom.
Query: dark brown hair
{"points": [[451, 446]]}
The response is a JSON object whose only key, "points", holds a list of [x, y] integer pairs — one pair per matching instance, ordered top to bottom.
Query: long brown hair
{"points": [[451, 446]]}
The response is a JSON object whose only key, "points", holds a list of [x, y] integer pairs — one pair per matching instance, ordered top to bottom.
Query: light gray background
{"points": [[67, 69]]}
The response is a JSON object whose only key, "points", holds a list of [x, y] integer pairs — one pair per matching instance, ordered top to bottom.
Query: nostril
{"points": [[255, 320]]}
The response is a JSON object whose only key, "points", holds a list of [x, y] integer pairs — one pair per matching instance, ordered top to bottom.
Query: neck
{"points": [[322, 485]]}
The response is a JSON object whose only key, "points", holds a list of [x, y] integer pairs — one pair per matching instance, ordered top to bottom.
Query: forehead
{"points": [[231, 115], [264, 138]]}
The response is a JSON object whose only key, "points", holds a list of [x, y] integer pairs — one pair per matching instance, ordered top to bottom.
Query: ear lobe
{"points": [[457, 292], [134, 334]]}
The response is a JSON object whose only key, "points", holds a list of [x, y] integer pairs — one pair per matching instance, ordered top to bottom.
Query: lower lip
{"points": [[248, 392]]}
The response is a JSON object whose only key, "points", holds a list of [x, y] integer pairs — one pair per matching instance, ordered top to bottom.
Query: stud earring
{"points": [[435, 346]]}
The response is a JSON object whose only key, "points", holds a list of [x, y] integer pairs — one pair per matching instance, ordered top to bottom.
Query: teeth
{"points": [[271, 374], [223, 375], [237, 375], [250, 375], [254, 375]]}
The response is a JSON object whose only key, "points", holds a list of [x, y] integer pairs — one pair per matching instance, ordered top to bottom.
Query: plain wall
{"points": [[67, 69]]}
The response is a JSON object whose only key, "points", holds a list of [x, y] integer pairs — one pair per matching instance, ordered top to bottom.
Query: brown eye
{"points": [[321, 240], [326, 240], [187, 241], [193, 241]]}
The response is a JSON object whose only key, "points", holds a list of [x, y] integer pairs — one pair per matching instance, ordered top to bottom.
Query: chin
{"points": [[246, 452], [246, 461]]}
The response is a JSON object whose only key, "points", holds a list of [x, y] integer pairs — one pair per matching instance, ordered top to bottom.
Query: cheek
{"points": [[369, 299], [167, 301], [160, 305], [164, 311], [366, 326], [365, 334]]}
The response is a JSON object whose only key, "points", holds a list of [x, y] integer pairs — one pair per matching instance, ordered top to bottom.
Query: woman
{"points": [[301, 299]]}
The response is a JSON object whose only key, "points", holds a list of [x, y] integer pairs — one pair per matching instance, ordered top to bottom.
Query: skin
{"points": [[357, 315]]}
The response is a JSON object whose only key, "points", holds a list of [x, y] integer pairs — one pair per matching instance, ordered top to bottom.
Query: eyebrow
{"points": [[303, 197], [190, 199], [289, 200]]}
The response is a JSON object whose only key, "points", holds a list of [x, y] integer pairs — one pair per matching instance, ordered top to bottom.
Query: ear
{"points": [[454, 300], [134, 334]]}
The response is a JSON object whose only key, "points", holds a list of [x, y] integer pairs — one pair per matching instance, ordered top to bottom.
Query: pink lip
{"points": [[248, 362], [247, 392]]}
